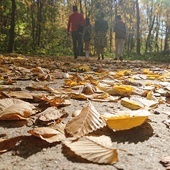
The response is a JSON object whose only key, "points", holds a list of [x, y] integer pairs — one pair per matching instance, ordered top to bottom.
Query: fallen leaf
{"points": [[83, 68], [122, 90], [19, 94], [56, 101], [131, 104], [148, 104], [15, 109], [51, 114], [124, 120], [87, 121], [48, 134], [95, 149]]}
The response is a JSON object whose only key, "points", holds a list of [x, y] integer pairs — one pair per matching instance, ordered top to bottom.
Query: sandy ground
{"points": [[140, 148]]}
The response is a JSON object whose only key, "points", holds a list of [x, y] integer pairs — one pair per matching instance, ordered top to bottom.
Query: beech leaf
{"points": [[131, 104], [14, 109], [50, 114], [124, 120], [87, 121], [48, 134], [95, 149]]}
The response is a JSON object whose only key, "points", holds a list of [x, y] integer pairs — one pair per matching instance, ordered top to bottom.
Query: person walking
{"points": [[75, 25], [87, 36], [120, 36], [100, 39]]}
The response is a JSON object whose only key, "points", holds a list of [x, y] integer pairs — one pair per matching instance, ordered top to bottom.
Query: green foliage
{"points": [[40, 26]]}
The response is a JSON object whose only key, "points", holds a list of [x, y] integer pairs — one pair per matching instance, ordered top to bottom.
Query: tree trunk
{"points": [[39, 22], [33, 27], [138, 27], [12, 28], [157, 34], [149, 35], [166, 39]]}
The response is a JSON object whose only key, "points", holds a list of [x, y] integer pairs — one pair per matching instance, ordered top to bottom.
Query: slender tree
{"points": [[12, 27], [138, 27]]}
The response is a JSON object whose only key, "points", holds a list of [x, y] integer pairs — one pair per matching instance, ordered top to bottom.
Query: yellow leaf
{"points": [[84, 68], [146, 71], [122, 73], [153, 76], [70, 83], [122, 90], [149, 95], [130, 104], [126, 120]]}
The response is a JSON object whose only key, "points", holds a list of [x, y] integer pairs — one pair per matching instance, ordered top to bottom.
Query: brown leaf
{"points": [[19, 94], [56, 101], [14, 109], [51, 114], [87, 121], [48, 134], [95, 149]]}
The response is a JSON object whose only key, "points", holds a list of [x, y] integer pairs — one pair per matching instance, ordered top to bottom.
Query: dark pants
{"points": [[77, 43]]}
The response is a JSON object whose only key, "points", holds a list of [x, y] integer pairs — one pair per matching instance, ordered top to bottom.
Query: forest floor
{"points": [[139, 148]]}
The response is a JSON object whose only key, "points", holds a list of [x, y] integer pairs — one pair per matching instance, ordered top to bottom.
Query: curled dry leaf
{"points": [[83, 68], [10, 88], [89, 89], [121, 90], [19, 94], [105, 98], [56, 101], [148, 104], [15, 109], [51, 114], [124, 120], [87, 121], [58, 126], [48, 134], [96, 149]]}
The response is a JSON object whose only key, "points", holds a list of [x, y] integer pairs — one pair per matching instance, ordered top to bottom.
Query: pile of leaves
{"points": [[37, 90]]}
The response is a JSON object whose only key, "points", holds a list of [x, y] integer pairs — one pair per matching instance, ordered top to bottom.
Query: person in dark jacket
{"points": [[75, 25], [120, 36]]}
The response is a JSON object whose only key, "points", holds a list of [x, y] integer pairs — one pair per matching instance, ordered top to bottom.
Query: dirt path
{"points": [[140, 148]]}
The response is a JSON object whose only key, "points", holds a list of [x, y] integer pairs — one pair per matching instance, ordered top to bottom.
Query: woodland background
{"points": [[39, 26]]}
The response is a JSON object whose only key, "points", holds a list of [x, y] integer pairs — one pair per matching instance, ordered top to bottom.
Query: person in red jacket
{"points": [[76, 23], [120, 36]]}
